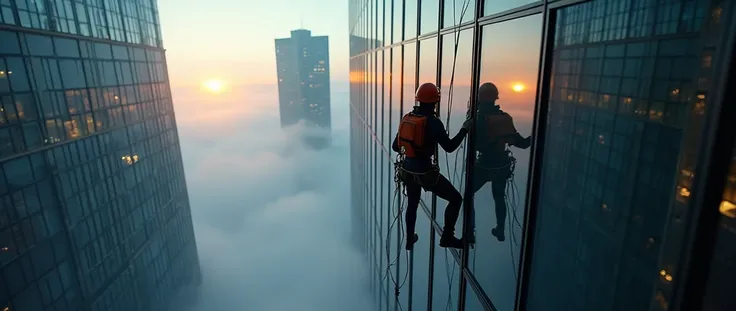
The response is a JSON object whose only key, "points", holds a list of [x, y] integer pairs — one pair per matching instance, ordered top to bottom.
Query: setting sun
{"points": [[214, 86], [518, 87]]}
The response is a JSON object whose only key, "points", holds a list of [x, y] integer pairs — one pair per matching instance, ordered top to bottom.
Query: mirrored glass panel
{"points": [[497, 6], [458, 12], [430, 16], [410, 19], [398, 21], [409, 79], [455, 93], [627, 110], [503, 125], [447, 278]]}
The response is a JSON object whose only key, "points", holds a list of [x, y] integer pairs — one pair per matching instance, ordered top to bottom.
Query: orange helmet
{"points": [[487, 92], [428, 93]]}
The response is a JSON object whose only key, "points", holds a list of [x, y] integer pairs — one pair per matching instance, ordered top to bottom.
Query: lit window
{"points": [[716, 15], [707, 61], [72, 128], [728, 209], [667, 276]]}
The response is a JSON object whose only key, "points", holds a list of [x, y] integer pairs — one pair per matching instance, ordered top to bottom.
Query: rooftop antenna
{"points": [[301, 25]]}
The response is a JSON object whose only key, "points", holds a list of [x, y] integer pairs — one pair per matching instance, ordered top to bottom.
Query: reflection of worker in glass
{"points": [[420, 131], [495, 131]]}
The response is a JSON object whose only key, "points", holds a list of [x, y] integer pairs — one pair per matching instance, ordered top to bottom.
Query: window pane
{"points": [[496, 6], [458, 11], [430, 15], [398, 22], [410, 22], [380, 24], [10, 43], [39, 45], [66, 47], [102, 51], [120, 52], [410, 63], [16, 72], [71, 73], [4, 77], [455, 93], [25, 106], [504, 118], [6, 143], [619, 159], [18, 172], [421, 259], [447, 278], [472, 302]]}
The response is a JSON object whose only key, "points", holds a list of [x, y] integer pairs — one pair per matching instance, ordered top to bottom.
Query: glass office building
{"points": [[303, 72], [625, 200], [94, 211]]}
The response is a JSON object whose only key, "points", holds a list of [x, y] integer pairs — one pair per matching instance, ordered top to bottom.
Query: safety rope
{"points": [[398, 168], [511, 197]]}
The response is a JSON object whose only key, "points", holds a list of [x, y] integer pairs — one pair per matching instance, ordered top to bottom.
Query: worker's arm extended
{"points": [[518, 140], [449, 145]]}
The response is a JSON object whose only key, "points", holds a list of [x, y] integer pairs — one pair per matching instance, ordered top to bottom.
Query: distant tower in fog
{"points": [[303, 71]]}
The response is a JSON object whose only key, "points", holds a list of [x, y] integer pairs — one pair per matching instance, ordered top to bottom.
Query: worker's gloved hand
{"points": [[468, 124], [527, 142]]}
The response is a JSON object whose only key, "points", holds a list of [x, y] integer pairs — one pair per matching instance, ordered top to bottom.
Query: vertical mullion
{"points": [[401, 109], [538, 131], [470, 154]]}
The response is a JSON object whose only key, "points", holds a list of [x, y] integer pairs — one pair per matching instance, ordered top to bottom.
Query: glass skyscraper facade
{"points": [[303, 72], [625, 200], [94, 210]]}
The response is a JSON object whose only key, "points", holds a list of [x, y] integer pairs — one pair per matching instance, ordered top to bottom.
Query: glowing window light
{"points": [[728, 209]]}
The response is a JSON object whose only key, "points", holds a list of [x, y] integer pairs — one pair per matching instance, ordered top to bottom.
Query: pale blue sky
{"points": [[234, 39]]}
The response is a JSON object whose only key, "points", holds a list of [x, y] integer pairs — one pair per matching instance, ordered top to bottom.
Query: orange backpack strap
{"points": [[412, 134]]}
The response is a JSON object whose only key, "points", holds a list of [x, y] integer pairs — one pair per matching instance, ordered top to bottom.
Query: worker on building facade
{"points": [[420, 131], [495, 132]]}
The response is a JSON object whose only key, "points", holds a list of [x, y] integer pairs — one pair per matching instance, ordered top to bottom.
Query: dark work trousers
{"points": [[498, 176], [434, 182]]}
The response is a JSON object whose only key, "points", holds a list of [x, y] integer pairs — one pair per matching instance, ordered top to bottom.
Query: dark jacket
{"points": [[435, 135], [492, 151]]}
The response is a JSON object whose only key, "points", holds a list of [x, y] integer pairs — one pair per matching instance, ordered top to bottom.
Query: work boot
{"points": [[498, 233], [448, 239], [410, 240]]}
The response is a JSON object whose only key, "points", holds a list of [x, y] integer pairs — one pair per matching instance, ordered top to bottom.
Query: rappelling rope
{"points": [[397, 219]]}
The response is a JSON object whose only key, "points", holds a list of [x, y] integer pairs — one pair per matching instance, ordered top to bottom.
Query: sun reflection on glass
{"points": [[518, 87]]}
